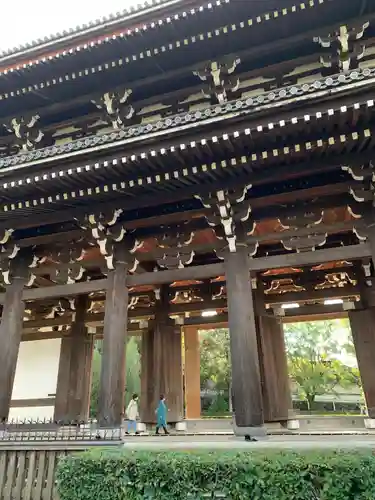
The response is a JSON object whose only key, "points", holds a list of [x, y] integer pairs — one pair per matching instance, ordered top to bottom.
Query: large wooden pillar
{"points": [[362, 324], [10, 334], [161, 359], [192, 373], [74, 375], [112, 376], [246, 384], [277, 400]]}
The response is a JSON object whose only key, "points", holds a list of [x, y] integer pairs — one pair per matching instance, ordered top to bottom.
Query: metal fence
{"points": [[49, 430]]}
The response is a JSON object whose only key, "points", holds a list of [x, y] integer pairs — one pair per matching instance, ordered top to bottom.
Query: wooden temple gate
{"points": [[177, 159]]}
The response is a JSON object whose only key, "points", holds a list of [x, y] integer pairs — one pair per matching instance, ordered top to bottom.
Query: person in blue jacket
{"points": [[161, 416]]}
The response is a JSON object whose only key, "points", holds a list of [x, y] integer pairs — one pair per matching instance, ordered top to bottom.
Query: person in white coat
{"points": [[132, 414]]}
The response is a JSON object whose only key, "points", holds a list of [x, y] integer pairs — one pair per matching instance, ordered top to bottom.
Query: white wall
{"points": [[36, 377]]}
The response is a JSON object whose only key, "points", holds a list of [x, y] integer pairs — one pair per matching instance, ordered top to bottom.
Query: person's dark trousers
{"points": [[164, 428]]}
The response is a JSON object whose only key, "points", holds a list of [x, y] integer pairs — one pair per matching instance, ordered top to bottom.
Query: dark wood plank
{"points": [[162, 374], [74, 375], [277, 400], [32, 403], [40, 474], [11, 475], [20, 480], [29, 485]]}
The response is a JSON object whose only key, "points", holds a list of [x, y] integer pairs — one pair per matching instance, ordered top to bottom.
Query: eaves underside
{"points": [[271, 103]]}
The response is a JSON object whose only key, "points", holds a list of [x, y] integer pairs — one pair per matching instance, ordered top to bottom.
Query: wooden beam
{"points": [[292, 233], [274, 237], [201, 248], [310, 258], [203, 272], [187, 273], [307, 276], [149, 278], [64, 290], [328, 293], [196, 307], [141, 312], [302, 313], [314, 313], [51, 334], [32, 403]]}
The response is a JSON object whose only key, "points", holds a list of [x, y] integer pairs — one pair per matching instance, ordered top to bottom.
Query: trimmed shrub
{"points": [[118, 475]]}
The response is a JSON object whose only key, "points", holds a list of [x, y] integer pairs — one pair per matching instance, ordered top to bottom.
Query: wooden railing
{"points": [[29, 474]]}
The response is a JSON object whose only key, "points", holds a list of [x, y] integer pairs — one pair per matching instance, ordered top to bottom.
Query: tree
{"points": [[313, 357], [215, 365], [215, 368], [133, 369], [133, 373], [95, 381]]}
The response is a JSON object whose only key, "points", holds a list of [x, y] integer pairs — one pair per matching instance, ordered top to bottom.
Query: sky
{"points": [[25, 20]]}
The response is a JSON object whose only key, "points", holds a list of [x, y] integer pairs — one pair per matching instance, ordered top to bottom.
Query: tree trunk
{"points": [[310, 398]]}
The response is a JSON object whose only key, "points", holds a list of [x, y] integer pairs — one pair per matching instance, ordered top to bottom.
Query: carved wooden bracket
{"points": [[345, 51], [220, 79], [116, 111], [28, 134], [363, 188], [230, 213], [303, 218], [107, 232], [173, 243], [70, 259], [17, 263]]}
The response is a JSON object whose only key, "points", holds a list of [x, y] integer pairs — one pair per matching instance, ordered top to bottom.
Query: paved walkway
{"points": [[228, 442]]}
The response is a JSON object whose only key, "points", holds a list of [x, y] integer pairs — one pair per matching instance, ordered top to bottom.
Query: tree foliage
{"points": [[314, 359], [215, 364], [215, 368], [119, 474]]}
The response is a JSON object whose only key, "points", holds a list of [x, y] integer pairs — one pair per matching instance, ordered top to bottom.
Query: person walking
{"points": [[132, 414], [161, 416]]}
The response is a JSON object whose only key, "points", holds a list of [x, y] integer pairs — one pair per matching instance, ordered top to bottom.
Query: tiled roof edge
{"points": [[104, 22]]}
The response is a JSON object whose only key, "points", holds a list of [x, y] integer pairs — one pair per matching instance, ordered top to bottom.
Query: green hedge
{"points": [[118, 475]]}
